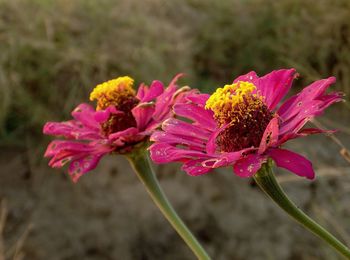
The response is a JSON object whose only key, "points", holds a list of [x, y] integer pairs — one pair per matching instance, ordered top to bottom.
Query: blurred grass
{"points": [[53, 52]]}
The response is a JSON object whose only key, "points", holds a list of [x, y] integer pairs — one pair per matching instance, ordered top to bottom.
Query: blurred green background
{"points": [[52, 54]]}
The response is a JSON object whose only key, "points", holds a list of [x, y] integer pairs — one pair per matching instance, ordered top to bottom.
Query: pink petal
{"points": [[249, 77], [175, 79], [275, 85], [141, 91], [154, 91], [313, 92], [199, 99], [164, 102], [308, 111], [86, 115], [143, 115], [199, 115], [102, 116], [178, 127], [71, 130], [303, 133], [128, 134], [270, 136], [165, 137], [211, 144], [58, 145], [63, 151], [164, 153], [225, 159], [293, 162], [249, 165], [80, 166], [195, 168]]}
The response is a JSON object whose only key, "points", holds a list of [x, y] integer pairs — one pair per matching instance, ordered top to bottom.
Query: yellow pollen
{"points": [[113, 92], [233, 102]]}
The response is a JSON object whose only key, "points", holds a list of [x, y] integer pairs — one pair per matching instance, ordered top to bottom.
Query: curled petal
{"points": [[141, 91], [154, 91], [165, 101], [85, 114], [143, 115], [102, 116], [130, 134], [270, 136], [211, 144], [226, 159], [293, 162], [195, 167]]}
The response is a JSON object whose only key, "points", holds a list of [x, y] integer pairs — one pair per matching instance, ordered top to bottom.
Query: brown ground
{"points": [[109, 215]]}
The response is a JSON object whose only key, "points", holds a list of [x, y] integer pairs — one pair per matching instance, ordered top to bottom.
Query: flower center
{"points": [[117, 92], [243, 111]]}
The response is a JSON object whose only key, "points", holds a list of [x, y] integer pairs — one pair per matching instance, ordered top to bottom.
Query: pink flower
{"points": [[122, 120], [240, 125]]}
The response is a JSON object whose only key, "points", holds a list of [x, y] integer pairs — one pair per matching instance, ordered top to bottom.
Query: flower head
{"points": [[122, 120], [240, 125]]}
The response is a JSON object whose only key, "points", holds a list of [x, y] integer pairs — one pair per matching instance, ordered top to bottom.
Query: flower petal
{"points": [[249, 77], [275, 85], [154, 91], [311, 93], [198, 98], [165, 101], [310, 110], [85, 114], [103, 115], [143, 115], [199, 115], [178, 127], [71, 130], [303, 133], [129, 134], [270, 136], [166, 137], [211, 144], [58, 145], [164, 153], [226, 159], [293, 162], [82, 165], [249, 165], [195, 168]]}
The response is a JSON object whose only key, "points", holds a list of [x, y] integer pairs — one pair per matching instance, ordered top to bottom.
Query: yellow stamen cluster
{"points": [[113, 92], [234, 102]]}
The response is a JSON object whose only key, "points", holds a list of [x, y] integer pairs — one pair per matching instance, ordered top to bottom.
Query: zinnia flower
{"points": [[121, 120], [241, 125]]}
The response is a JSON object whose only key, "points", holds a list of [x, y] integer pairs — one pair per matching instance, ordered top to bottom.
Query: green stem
{"points": [[141, 165], [266, 180]]}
